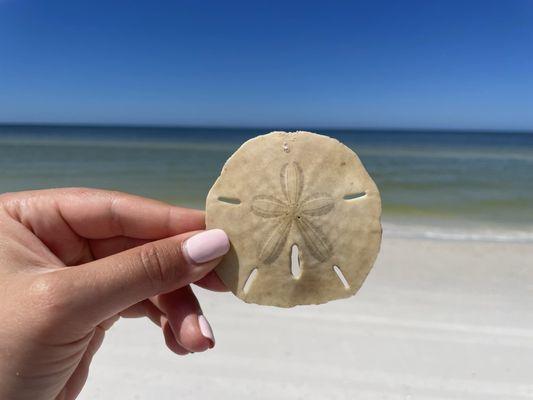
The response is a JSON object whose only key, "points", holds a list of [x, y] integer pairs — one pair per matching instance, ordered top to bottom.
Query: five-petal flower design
{"points": [[294, 209]]}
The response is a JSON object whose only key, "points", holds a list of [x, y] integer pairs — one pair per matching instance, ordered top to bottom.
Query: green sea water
{"points": [[444, 184]]}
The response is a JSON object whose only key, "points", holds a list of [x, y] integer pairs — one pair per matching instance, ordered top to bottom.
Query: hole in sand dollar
{"points": [[352, 196], [229, 200], [296, 271], [341, 277], [250, 280]]}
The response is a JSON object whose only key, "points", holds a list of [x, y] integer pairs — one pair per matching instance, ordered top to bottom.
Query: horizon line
{"points": [[262, 127]]}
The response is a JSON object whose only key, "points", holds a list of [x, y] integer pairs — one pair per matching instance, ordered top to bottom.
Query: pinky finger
{"points": [[144, 308], [149, 309], [170, 338]]}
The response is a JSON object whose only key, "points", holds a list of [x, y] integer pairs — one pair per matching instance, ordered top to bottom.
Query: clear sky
{"points": [[445, 64]]}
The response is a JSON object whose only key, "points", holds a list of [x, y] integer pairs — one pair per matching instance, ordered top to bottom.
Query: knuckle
{"points": [[6, 196], [9, 201], [157, 265], [49, 295]]}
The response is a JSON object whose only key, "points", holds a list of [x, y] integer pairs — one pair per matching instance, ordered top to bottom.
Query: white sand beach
{"points": [[434, 320]]}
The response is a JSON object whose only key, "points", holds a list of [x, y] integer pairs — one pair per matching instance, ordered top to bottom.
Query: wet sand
{"points": [[434, 320]]}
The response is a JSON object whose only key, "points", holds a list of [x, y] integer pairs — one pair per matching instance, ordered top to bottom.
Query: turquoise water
{"points": [[463, 184]]}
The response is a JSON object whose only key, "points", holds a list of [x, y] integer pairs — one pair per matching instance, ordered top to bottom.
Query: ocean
{"points": [[448, 185]]}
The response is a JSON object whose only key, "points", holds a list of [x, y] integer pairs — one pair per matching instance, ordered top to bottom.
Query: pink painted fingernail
{"points": [[206, 246], [206, 330]]}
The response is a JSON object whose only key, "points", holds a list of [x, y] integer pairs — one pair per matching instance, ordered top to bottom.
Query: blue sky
{"points": [[442, 64]]}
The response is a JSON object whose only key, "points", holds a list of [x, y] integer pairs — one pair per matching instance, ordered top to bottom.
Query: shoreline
{"points": [[442, 230]]}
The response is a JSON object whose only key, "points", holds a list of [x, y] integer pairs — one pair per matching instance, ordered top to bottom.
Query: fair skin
{"points": [[72, 262]]}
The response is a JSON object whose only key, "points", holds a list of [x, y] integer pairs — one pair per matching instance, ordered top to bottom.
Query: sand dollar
{"points": [[303, 218]]}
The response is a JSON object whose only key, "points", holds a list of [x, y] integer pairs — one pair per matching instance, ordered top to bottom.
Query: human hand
{"points": [[72, 261]]}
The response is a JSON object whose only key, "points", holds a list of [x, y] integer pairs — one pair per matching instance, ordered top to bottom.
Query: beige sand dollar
{"points": [[303, 218]]}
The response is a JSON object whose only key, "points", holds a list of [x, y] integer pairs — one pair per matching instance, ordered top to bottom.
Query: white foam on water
{"points": [[477, 234]]}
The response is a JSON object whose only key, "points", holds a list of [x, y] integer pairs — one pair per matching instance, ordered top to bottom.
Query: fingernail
{"points": [[206, 246], [206, 330]]}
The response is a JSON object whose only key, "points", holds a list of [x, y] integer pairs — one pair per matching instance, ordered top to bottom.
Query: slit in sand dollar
{"points": [[353, 196], [229, 200], [313, 208], [296, 271], [341, 277], [250, 280]]}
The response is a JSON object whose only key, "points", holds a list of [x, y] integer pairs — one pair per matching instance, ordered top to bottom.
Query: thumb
{"points": [[107, 286]]}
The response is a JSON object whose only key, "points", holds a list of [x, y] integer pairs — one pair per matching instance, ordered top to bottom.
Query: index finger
{"points": [[101, 214]]}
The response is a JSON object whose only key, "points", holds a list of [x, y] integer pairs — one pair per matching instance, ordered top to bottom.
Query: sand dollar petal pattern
{"points": [[291, 177], [295, 189], [317, 204], [268, 206], [315, 241]]}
